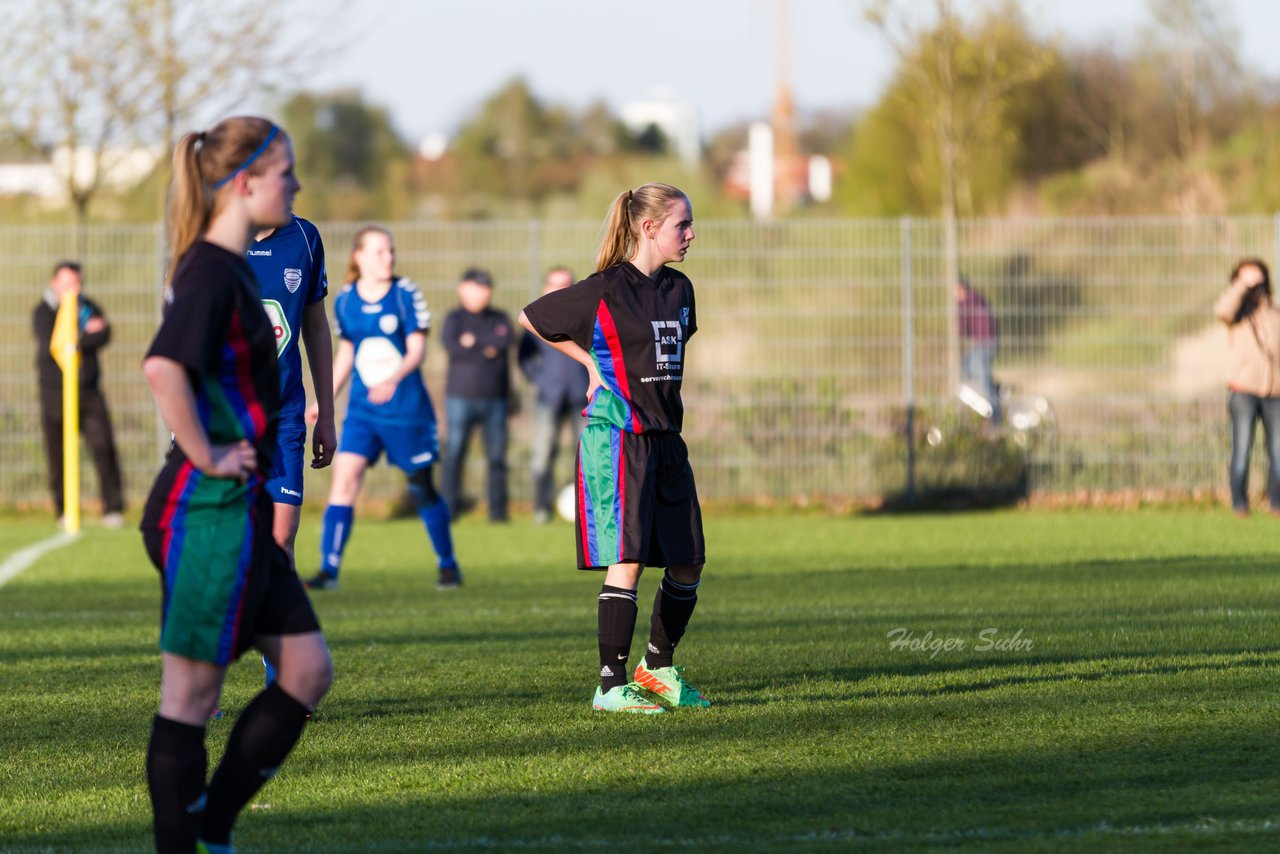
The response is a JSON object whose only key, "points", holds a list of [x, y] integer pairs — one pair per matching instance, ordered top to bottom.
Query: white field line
{"points": [[27, 555]]}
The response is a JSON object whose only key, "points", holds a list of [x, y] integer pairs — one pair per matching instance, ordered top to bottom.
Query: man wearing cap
{"points": [[478, 339]]}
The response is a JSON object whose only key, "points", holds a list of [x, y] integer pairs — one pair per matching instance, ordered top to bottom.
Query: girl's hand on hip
{"points": [[237, 461]]}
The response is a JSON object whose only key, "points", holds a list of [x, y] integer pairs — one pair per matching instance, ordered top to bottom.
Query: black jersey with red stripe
{"points": [[216, 328], [635, 328]]}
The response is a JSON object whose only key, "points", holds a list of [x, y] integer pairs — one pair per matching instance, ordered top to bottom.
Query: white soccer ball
{"points": [[377, 361], [567, 502]]}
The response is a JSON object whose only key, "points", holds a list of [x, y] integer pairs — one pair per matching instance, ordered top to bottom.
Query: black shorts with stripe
{"points": [[637, 501]]}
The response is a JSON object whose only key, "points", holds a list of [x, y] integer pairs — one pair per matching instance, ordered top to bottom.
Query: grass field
{"points": [[1141, 716]]}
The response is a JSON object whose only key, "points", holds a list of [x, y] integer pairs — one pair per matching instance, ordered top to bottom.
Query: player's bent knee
{"points": [[422, 488], [685, 574], [625, 575], [305, 669]]}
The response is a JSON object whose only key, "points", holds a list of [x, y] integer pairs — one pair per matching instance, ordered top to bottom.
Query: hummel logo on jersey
{"points": [[265, 253], [292, 279], [371, 309], [422, 458], [284, 490]]}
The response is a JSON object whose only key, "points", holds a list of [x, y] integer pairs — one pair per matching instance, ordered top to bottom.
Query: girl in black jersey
{"points": [[637, 504], [208, 521]]}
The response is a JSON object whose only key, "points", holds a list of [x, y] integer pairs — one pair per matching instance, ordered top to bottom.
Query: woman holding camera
{"points": [[1253, 343]]}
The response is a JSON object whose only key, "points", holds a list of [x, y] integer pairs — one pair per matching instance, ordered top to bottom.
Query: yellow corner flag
{"points": [[65, 348]]}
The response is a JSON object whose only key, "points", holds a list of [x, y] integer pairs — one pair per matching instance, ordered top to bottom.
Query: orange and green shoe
{"points": [[668, 685], [625, 698], [203, 847]]}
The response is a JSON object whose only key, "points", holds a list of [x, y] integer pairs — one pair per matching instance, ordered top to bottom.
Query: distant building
{"points": [[678, 121], [122, 168], [773, 173], [30, 179]]}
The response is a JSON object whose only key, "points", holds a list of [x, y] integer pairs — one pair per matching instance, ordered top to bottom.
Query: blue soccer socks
{"points": [[338, 521]]}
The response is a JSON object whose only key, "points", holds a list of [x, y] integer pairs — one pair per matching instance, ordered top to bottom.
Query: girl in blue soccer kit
{"points": [[289, 265], [382, 327]]}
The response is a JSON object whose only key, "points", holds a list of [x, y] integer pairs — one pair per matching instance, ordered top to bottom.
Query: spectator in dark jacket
{"points": [[979, 338], [478, 339], [561, 385], [95, 418]]}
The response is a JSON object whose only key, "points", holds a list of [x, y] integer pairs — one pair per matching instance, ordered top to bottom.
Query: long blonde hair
{"points": [[201, 163], [621, 238], [353, 269]]}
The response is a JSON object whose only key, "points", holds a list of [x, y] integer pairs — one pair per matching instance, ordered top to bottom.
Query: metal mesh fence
{"points": [[816, 339]]}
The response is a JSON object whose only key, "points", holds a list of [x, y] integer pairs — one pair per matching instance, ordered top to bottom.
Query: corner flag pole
{"points": [[65, 347]]}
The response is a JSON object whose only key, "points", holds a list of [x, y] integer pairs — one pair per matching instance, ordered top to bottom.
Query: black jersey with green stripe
{"points": [[216, 328], [635, 328]]}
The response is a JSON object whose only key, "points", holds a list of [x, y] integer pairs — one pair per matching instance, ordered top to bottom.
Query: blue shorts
{"points": [[409, 445], [285, 484]]}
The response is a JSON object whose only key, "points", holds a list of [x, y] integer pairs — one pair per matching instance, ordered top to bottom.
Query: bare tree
{"points": [[1194, 49], [203, 60], [96, 77], [958, 81], [72, 86], [1103, 94]]}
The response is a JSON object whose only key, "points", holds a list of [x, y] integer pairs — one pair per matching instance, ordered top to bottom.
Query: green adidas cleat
{"points": [[668, 684], [625, 698], [203, 847]]}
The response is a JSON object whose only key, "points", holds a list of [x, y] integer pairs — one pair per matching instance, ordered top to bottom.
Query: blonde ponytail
{"points": [[208, 160], [190, 199], [621, 238]]}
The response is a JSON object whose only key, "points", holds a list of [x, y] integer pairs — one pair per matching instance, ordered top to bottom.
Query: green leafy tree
{"points": [[952, 92], [519, 155], [352, 162]]}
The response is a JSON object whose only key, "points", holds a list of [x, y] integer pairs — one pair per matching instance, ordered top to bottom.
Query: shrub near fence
{"points": [[813, 336]]}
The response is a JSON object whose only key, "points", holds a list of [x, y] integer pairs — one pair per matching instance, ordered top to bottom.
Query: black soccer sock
{"points": [[672, 607], [617, 621], [261, 739], [176, 765]]}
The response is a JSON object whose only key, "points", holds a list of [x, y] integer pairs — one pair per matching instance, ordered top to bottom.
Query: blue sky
{"points": [[432, 61]]}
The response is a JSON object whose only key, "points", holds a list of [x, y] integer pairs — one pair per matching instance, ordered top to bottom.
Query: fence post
{"points": [[535, 258], [908, 361], [163, 437]]}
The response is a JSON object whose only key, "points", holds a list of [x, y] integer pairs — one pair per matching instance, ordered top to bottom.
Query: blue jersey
{"points": [[289, 266], [378, 331]]}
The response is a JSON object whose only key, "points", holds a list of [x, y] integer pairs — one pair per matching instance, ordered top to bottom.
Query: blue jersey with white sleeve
{"points": [[289, 266], [378, 331]]}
